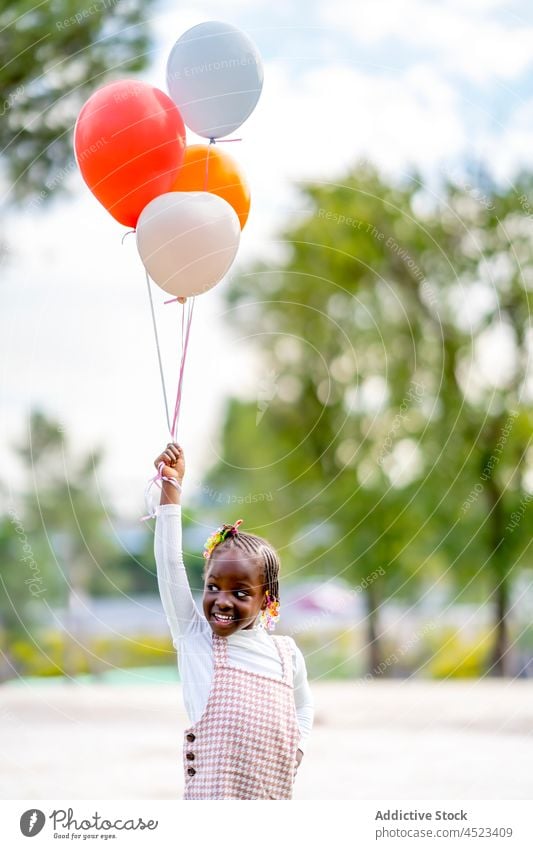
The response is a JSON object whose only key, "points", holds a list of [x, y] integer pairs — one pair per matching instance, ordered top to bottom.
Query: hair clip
{"points": [[219, 536]]}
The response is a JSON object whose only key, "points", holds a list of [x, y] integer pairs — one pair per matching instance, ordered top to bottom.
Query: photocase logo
{"points": [[31, 822]]}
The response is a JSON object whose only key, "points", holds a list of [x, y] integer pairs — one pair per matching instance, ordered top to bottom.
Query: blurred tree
{"points": [[55, 54], [384, 427], [65, 504], [68, 527], [58, 546], [140, 564], [24, 580]]}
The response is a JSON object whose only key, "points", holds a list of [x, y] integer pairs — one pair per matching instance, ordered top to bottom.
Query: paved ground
{"points": [[374, 740]]}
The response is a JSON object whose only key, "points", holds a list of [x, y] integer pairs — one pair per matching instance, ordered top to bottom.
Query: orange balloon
{"points": [[224, 177]]}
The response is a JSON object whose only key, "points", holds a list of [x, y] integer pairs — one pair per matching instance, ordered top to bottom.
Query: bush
{"points": [[57, 654], [332, 654], [452, 655]]}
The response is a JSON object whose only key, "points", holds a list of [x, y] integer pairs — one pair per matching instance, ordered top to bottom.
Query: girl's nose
{"points": [[223, 601]]}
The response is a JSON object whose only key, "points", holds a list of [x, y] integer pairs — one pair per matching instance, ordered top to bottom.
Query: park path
{"points": [[372, 740]]}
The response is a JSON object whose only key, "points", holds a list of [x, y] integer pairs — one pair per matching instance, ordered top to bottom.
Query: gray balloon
{"points": [[215, 77]]}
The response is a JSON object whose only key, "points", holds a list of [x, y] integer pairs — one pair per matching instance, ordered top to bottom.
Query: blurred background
{"points": [[359, 390]]}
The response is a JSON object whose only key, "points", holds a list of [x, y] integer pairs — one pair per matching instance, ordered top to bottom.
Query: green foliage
{"points": [[54, 55], [379, 433], [65, 510], [57, 540], [140, 567], [26, 575], [55, 654]]}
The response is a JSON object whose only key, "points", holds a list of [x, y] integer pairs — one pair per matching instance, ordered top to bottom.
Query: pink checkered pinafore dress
{"points": [[244, 745]]}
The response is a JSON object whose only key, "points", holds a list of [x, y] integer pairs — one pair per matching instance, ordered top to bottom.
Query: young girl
{"points": [[245, 691]]}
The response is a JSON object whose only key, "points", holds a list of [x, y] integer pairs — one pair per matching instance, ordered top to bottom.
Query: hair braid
{"points": [[258, 548]]}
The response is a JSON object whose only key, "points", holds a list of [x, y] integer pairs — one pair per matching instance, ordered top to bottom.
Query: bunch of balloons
{"points": [[187, 204]]}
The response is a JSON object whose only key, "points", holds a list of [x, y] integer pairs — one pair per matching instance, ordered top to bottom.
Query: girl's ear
{"points": [[265, 600]]}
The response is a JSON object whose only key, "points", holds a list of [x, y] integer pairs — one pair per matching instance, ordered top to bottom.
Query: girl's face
{"points": [[234, 592]]}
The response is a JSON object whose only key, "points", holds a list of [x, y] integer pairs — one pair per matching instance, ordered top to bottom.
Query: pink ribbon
{"points": [[185, 333], [156, 481]]}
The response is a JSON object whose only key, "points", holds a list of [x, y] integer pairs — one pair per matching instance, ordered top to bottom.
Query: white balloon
{"points": [[215, 76], [188, 241]]}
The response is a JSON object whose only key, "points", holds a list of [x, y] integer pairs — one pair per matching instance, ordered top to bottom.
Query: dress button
{"points": [[191, 738], [190, 756], [191, 770]]}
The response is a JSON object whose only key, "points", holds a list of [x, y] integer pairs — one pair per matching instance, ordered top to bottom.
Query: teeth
{"points": [[224, 618]]}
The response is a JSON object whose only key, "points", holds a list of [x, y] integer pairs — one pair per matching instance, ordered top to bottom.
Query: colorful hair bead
{"points": [[219, 536], [270, 614]]}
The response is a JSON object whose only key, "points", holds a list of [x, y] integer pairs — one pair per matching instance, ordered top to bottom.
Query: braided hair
{"points": [[256, 547]]}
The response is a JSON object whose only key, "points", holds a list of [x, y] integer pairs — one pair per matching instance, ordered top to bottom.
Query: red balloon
{"points": [[129, 141]]}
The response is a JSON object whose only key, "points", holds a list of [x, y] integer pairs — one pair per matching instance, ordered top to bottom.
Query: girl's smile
{"points": [[234, 592]]}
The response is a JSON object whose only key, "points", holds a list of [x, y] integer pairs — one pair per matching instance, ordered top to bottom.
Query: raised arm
{"points": [[176, 597]]}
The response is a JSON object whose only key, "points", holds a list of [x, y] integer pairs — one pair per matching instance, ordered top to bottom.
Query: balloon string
{"points": [[213, 141], [222, 141], [207, 165], [128, 233], [182, 331], [185, 333], [158, 351], [173, 430], [156, 480]]}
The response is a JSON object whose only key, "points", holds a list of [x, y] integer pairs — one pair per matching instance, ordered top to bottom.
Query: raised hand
{"points": [[174, 462]]}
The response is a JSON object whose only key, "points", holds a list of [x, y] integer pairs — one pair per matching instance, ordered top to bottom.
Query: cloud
{"points": [[465, 38], [317, 125], [511, 146]]}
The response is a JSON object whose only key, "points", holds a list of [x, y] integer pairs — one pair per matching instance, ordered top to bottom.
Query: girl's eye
{"points": [[212, 587], [241, 593]]}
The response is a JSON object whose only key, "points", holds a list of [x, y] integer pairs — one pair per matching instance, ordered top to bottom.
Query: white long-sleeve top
{"points": [[251, 649]]}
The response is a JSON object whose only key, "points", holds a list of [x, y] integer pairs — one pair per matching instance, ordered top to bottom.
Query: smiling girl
{"points": [[245, 691]]}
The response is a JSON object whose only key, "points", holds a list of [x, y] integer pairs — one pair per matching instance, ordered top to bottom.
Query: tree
{"points": [[55, 54], [385, 417], [65, 504], [57, 544]]}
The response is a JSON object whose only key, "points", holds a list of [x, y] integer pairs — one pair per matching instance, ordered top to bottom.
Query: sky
{"points": [[403, 83]]}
